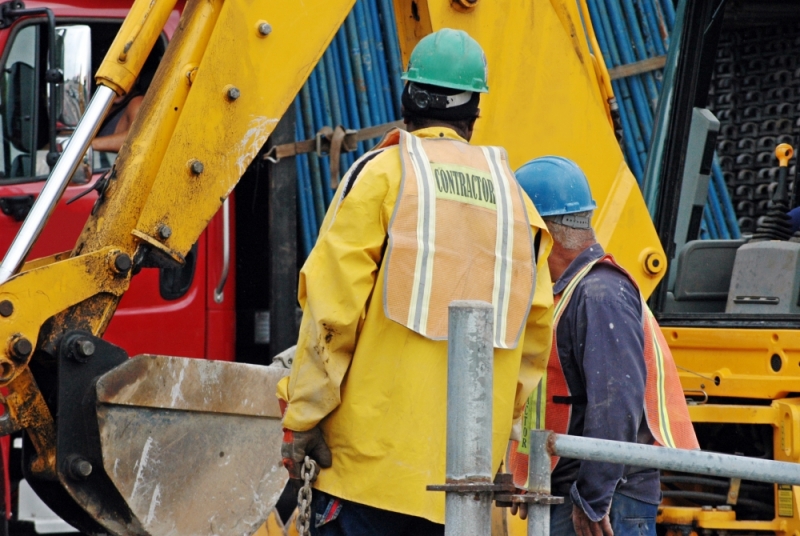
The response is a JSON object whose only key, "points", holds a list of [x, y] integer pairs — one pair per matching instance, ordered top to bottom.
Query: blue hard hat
{"points": [[556, 186]]}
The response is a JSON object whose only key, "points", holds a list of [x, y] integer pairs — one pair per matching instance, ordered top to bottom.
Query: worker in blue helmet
{"points": [[605, 359]]}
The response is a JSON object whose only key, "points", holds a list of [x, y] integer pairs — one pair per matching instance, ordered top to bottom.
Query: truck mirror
{"points": [[74, 60], [19, 106]]}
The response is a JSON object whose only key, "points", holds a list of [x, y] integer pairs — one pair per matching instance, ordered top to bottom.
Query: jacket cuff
{"points": [[291, 422], [590, 512]]}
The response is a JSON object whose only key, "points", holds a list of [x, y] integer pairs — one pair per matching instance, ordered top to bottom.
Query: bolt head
{"points": [[265, 28], [233, 93], [196, 167], [164, 231], [122, 263], [6, 308], [85, 347], [21, 349], [80, 468]]}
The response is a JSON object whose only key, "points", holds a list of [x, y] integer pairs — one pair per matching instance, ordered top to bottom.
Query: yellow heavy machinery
{"points": [[165, 445]]}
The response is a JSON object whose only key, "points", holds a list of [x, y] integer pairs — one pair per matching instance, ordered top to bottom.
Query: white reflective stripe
{"points": [[426, 236], [504, 246]]}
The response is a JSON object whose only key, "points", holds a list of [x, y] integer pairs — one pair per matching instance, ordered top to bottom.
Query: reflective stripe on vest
{"points": [[459, 231], [665, 406]]}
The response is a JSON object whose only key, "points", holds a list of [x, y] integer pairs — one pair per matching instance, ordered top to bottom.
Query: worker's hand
{"points": [[297, 445], [520, 509], [586, 527]]}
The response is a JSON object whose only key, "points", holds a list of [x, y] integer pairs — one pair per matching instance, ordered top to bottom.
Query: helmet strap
{"points": [[424, 99], [572, 220]]}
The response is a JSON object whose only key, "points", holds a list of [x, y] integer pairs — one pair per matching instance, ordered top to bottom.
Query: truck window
{"points": [[23, 133]]}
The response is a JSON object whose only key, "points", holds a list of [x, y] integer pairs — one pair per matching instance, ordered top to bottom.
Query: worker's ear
{"points": [[471, 126]]}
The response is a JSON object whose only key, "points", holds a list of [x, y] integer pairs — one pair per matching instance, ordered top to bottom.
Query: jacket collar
{"points": [[438, 132], [592, 253]]}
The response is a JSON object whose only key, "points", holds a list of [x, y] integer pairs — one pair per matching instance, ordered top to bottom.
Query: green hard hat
{"points": [[448, 58]]}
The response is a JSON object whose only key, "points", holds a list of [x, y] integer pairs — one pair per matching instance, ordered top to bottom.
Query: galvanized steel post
{"points": [[469, 417], [539, 482]]}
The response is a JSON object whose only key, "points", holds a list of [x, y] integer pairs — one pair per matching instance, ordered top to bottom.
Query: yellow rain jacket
{"points": [[377, 389]]}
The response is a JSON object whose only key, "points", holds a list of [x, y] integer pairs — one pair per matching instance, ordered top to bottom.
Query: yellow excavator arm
{"points": [[139, 445]]}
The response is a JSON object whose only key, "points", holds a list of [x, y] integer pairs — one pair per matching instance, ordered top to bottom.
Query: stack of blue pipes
{"points": [[631, 31], [357, 84]]}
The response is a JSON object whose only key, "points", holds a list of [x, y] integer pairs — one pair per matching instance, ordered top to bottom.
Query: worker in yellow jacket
{"points": [[422, 220]]}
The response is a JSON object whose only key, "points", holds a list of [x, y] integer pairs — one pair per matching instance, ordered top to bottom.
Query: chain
{"points": [[309, 473]]}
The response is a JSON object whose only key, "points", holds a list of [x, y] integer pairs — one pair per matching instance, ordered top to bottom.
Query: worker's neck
{"points": [[411, 126], [560, 258]]}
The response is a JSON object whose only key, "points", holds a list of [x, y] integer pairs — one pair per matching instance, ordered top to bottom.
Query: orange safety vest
{"points": [[459, 231], [665, 406]]}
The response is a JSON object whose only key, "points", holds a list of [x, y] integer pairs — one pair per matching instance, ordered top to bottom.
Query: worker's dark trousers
{"points": [[331, 516], [629, 517]]}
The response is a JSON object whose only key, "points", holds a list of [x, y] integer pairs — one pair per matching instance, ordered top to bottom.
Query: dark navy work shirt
{"points": [[601, 344]]}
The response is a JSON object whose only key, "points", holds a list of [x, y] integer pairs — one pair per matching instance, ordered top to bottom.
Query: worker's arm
{"points": [[113, 142], [335, 284], [609, 323], [539, 329]]}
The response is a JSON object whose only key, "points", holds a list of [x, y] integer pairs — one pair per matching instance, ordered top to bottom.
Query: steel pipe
{"points": [[389, 27], [367, 46], [358, 70], [319, 120], [655, 160], [314, 165], [57, 182], [304, 196], [727, 207], [716, 212], [710, 227], [469, 417], [688, 461], [538, 482]]}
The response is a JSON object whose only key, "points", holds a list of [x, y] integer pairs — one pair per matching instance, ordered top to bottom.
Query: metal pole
{"points": [[655, 159], [56, 183], [283, 242], [469, 417], [688, 461], [539, 482]]}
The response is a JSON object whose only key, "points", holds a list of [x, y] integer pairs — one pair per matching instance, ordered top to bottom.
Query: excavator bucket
{"points": [[157, 446], [193, 446]]}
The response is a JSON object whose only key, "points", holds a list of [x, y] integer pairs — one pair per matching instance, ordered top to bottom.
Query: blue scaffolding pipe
{"points": [[668, 8], [389, 27], [356, 84], [316, 175], [718, 180], [304, 195], [716, 213], [711, 228]]}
